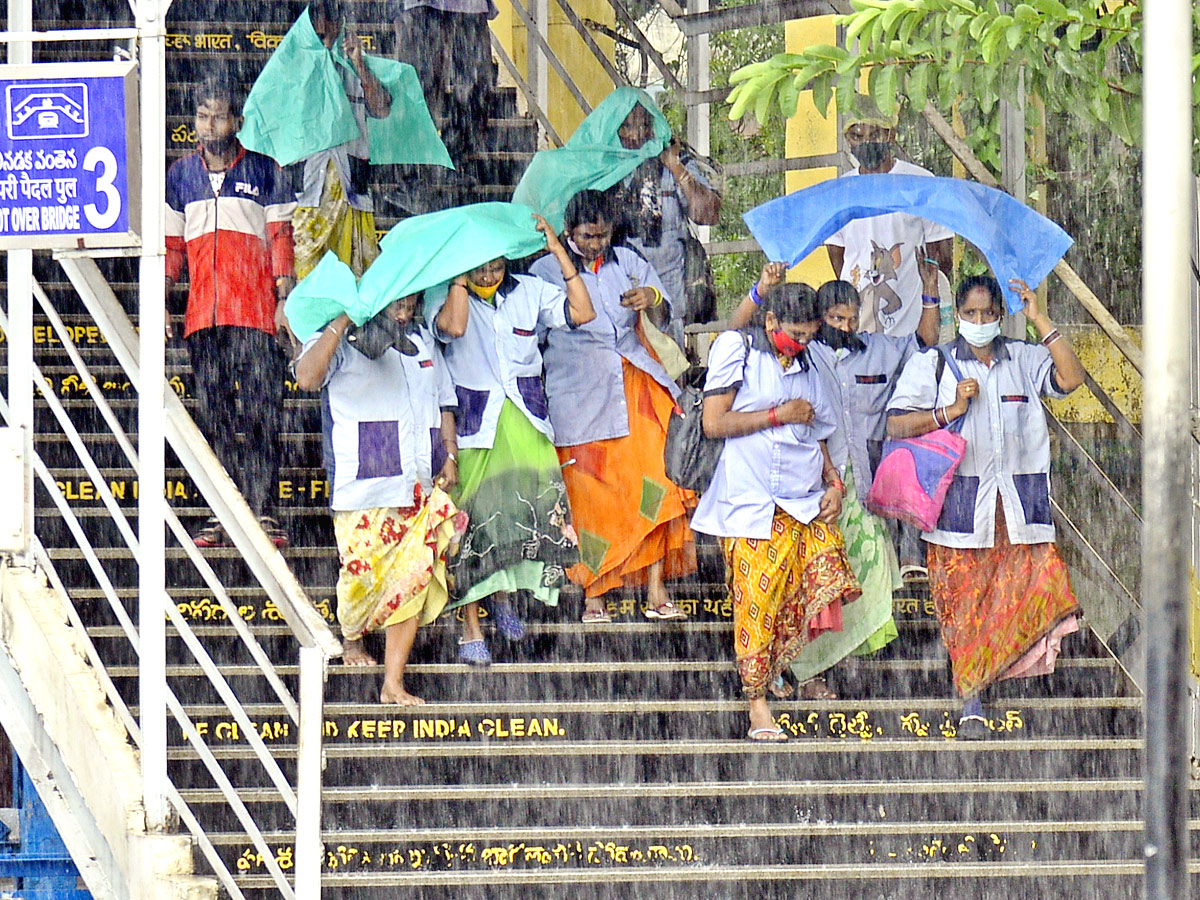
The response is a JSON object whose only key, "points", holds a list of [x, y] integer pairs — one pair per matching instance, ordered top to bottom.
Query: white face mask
{"points": [[979, 335]]}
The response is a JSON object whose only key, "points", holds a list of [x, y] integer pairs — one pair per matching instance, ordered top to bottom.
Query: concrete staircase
{"points": [[611, 758]]}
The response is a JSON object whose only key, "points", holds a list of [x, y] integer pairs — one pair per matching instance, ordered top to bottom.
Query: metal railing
{"points": [[316, 643]]}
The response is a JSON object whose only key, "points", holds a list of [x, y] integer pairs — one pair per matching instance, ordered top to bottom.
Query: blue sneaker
{"points": [[508, 623], [474, 653]]}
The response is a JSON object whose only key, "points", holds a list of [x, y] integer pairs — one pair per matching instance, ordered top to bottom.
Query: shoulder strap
{"points": [[946, 358]]}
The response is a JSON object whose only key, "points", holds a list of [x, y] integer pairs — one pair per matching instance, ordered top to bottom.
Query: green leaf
{"points": [[1051, 8], [895, 10], [1025, 13], [859, 21], [978, 24], [908, 26], [1014, 35], [1073, 36], [825, 51], [750, 71], [809, 72], [918, 85], [822, 89], [885, 91], [844, 93], [740, 98], [762, 104], [1099, 107]]}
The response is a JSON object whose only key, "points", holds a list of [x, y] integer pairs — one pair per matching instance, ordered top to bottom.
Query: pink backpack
{"points": [[914, 475]]}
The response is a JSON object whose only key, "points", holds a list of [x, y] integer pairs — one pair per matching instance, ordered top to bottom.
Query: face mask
{"points": [[871, 154], [484, 293], [978, 335], [374, 338], [836, 339], [786, 344]]}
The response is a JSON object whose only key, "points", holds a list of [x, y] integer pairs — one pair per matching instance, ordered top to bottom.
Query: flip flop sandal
{"points": [[211, 535], [913, 572], [667, 611], [595, 617], [508, 623], [474, 653], [781, 688], [817, 689], [774, 735]]}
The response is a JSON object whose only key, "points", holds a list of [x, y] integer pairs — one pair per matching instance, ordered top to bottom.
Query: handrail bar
{"points": [[585, 35], [647, 47], [550, 56], [525, 89], [260, 554], [195, 556], [101, 575], [207, 665]]}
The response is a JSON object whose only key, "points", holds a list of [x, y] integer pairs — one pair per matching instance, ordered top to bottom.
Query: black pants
{"points": [[239, 375]]}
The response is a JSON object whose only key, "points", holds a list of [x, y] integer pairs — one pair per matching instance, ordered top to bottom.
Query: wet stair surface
{"points": [[611, 758]]}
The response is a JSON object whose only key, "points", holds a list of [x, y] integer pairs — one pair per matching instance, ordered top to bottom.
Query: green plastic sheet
{"points": [[298, 106], [593, 158], [419, 253]]}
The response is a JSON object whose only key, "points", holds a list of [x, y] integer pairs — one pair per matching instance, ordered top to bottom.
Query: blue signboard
{"points": [[68, 138]]}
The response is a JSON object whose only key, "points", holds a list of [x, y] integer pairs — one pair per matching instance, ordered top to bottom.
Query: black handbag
{"points": [[689, 457]]}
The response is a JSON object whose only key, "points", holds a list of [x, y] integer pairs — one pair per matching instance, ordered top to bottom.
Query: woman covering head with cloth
{"points": [[626, 141], [610, 402], [388, 422], [510, 484], [776, 495], [1001, 590]]}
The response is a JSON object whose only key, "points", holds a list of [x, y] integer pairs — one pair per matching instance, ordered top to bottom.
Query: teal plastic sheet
{"points": [[298, 106], [593, 158], [1017, 241], [418, 254]]}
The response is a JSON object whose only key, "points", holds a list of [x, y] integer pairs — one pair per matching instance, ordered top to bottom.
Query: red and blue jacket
{"points": [[238, 240]]}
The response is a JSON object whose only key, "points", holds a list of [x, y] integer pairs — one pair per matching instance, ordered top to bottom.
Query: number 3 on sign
{"points": [[107, 162]]}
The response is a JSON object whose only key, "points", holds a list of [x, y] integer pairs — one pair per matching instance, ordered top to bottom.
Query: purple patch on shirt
{"points": [[870, 379], [534, 395], [1014, 398], [471, 405], [379, 449]]}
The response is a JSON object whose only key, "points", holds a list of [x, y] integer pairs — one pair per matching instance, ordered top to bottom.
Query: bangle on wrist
{"points": [[570, 277], [658, 296], [754, 297], [930, 302], [1053, 335], [773, 416], [452, 456]]}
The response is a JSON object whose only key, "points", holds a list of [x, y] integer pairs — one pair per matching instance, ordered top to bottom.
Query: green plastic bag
{"points": [[299, 107], [593, 159], [419, 253]]}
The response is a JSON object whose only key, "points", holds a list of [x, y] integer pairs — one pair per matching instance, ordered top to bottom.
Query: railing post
{"points": [[1167, 222], [20, 301], [151, 418], [310, 852]]}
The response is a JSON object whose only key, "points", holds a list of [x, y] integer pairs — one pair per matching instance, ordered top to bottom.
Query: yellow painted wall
{"points": [[589, 76], [810, 134], [1112, 371]]}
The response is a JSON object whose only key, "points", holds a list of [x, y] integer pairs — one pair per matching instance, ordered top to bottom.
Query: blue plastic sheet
{"points": [[1017, 241], [418, 254]]}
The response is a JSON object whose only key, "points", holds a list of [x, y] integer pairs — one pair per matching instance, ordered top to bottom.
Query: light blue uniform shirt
{"points": [[667, 257], [499, 356], [584, 382], [859, 385], [381, 423], [1008, 444], [773, 467]]}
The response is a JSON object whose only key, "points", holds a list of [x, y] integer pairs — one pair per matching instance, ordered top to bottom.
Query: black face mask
{"points": [[222, 146], [871, 154], [373, 339], [836, 339]]}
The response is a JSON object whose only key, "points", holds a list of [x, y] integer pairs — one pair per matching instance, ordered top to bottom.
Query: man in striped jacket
{"points": [[229, 213]]}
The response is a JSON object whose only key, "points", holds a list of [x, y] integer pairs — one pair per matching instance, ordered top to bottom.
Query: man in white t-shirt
{"points": [[879, 255]]}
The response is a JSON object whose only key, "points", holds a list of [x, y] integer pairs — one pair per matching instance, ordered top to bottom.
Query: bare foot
{"points": [[353, 654], [817, 689], [399, 696]]}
